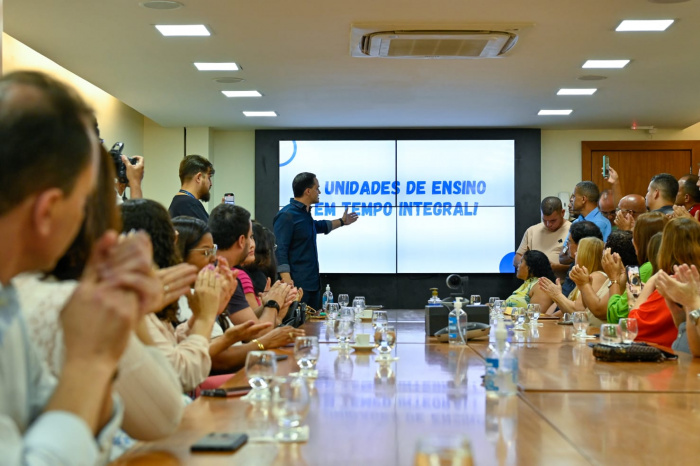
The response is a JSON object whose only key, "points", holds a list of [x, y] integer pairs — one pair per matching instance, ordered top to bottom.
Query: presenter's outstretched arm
{"points": [[346, 219]]}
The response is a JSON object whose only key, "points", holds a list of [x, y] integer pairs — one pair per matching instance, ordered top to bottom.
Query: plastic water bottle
{"points": [[327, 298], [434, 299], [457, 324], [501, 378]]}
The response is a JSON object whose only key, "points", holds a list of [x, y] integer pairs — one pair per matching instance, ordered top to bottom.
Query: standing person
{"points": [[49, 154], [195, 179], [661, 193], [689, 194], [586, 195], [296, 230], [548, 236]]}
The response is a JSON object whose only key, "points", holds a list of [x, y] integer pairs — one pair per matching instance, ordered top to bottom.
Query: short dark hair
{"points": [[44, 134], [193, 164], [302, 182], [667, 186], [690, 187], [589, 189], [550, 204], [228, 223], [580, 230], [190, 232], [620, 241], [538, 264]]}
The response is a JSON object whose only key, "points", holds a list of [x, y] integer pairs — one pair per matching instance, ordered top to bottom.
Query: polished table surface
{"points": [[571, 408]]}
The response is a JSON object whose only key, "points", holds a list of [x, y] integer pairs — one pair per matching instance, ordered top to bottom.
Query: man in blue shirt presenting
{"points": [[296, 230]]}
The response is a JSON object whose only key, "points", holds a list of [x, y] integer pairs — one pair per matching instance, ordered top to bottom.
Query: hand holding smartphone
{"points": [[606, 167], [229, 198], [634, 280]]}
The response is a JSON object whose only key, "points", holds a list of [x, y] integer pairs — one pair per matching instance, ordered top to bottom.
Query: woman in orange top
{"points": [[680, 245]]}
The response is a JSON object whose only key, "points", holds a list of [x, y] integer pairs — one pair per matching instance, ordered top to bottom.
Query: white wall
{"points": [[233, 157]]}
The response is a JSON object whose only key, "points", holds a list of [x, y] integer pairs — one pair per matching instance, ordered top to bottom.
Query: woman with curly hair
{"points": [[533, 265]]}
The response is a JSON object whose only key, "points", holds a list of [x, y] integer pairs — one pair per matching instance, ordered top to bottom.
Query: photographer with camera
{"points": [[129, 170]]}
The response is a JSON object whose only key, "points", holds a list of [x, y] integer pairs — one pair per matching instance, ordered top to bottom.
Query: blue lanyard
{"points": [[188, 193]]}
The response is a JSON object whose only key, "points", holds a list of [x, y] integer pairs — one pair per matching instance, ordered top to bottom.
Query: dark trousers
{"points": [[312, 298]]}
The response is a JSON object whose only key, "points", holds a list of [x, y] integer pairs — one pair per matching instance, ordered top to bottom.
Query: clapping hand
{"points": [[624, 221], [613, 267], [579, 275], [175, 282], [551, 289], [207, 293], [245, 331]]}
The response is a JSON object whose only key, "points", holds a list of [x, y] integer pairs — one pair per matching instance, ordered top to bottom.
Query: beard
{"points": [[205, 197]]}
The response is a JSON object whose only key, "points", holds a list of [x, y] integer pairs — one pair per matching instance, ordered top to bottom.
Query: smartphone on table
{"points": [[229, 198], [634, 280], [226, 392], [220, 441]]}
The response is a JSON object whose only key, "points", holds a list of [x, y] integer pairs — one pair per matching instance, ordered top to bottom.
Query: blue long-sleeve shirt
{"points": [[297, 254]]}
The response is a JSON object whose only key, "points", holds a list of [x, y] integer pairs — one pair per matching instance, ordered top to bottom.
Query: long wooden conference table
{"points": [[570, 409]]}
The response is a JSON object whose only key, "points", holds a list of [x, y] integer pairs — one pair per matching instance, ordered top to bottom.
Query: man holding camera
{"points": [[130, 176]]}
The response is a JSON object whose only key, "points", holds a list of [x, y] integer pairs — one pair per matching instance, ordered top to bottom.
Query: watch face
{"points": [[694, 316]]}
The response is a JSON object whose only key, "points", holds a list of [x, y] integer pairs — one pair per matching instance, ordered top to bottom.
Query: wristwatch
{"points": [[272, 303], [694, 316]]}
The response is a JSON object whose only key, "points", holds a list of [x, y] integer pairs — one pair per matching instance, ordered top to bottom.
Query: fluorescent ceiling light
{"points": [[644, 25], [183, 30], [605, 64], [216, 66], [576, 91], [241, 93], [554, 112], [260, 114]]}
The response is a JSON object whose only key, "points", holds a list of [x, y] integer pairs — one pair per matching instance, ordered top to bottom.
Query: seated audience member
{"points": [[50, 156], [195, 188], [661, 193], [689, 194], [606, 206], [628, 209], [646, 226], [232, 231], [577, 232], [548, 236], [195, 244], [680, 244], [533, 265], [263, 270], [244, 278], [590, 279], [682, 294], [190, 356], [147, 384]]}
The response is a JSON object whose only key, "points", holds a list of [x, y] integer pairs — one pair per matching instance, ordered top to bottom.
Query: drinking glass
{"points": [[475, 299], [343, 300], [359, 305], [500, 306], [332, 310], [533, 313], [518, 316], [379, 319], [580, 324], [344, 327], [628, 330], [610, 334], [386, 337], [306, 353], [260, 368], [290, 404], [447, 450]]}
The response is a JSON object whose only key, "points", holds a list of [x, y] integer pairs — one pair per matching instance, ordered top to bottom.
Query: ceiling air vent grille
{"points": [[437, 44]]}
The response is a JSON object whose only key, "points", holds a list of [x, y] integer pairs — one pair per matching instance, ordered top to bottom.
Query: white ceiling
{"points": [[297, 54]]}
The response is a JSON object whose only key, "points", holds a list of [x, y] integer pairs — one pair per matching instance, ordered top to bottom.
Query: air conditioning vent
{"points": [[436, 42]]}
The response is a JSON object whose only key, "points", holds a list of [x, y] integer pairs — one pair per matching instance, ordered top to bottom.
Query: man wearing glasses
{"points": [[628, 209]]}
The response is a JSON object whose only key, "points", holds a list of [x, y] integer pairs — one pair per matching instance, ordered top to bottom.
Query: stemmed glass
{"points": [[343, 300], [359, 305], [332, 311], [533, 313], [518, 315], [379, 319], [580, 324], [344, 326], [629, 330], [386, 337], [306, 353], [260, 368], [290, 402]]}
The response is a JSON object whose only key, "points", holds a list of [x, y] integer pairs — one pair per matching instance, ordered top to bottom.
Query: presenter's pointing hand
{"points": [[349, 218]]}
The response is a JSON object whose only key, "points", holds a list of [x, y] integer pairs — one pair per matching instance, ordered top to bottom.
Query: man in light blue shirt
{"points": [[585, 203]]}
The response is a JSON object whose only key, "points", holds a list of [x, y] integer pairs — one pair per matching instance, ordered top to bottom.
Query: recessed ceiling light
{"points": [[668, 1], [161, 5], [644, 25], [170, 30], [605, 64], [217, 66], [591, 77], [229, 80], [576, 91], [241, 93], [554, 112], [260, 114]]}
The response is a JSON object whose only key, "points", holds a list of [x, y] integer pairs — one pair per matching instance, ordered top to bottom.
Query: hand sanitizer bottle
{"points": [[327, 298], [457, 324], [501, 378]]}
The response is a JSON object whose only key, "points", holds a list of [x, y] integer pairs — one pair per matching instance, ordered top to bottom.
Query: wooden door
{"points": [[637, 161]]}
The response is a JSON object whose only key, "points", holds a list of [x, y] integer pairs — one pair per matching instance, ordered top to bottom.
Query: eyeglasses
{"points": [[629, 211], [208, 252]]}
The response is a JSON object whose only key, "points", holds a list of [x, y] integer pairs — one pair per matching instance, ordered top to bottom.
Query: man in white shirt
{"points": [[49, 154], [548, 236]]}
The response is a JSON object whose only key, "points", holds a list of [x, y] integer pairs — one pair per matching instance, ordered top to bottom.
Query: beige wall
{"points": [[234, 159]]}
